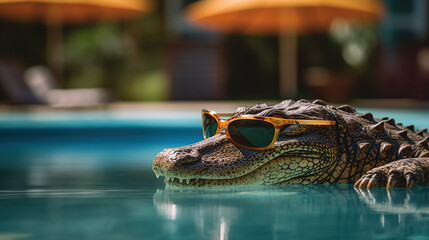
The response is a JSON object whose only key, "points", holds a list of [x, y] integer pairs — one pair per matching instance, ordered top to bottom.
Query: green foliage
{"points": [[117, 56], [151, 86]]}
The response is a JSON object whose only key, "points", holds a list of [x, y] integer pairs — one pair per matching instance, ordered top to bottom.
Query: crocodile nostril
{"points": [[185, 157]]}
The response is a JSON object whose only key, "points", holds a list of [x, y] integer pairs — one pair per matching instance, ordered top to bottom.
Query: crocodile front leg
{"points": [[407, 173]]}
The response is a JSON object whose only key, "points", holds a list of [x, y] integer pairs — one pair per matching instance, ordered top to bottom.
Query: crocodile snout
{"points": [[183, 157], [171, 158]]}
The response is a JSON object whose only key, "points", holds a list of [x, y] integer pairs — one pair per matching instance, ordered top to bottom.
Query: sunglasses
{"points": [[251, 132]]}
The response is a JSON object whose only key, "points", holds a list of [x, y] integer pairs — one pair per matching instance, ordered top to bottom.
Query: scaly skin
{"points": [[357, 150]]}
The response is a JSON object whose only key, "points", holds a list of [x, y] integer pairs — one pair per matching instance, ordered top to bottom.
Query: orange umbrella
{"points": [[71, 11], [55, 13], [280, 16], [284, 17]]}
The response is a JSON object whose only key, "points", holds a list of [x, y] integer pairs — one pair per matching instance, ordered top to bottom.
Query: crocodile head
{"points": [[301, 154]]}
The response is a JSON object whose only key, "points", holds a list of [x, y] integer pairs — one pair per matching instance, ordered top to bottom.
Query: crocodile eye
{"points": [[293, 130]]}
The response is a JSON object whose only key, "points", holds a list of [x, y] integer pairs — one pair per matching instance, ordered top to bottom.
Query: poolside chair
{"points": [[42, 83], [13, 85], [37, 85]]}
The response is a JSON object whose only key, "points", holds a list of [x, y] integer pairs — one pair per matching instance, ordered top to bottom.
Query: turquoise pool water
{"points": [[88, 176]]}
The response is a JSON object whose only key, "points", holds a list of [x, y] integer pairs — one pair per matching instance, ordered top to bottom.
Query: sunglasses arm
{"points": [[226, 114], [304, 121]]}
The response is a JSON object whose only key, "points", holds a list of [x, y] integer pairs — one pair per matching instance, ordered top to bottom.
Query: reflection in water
{"points": [[396, 201], [404, 209], [292, 212], [297, 212]]}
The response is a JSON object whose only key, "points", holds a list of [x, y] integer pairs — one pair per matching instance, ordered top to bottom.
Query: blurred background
{"points": [[160, 52], [92, 90]]}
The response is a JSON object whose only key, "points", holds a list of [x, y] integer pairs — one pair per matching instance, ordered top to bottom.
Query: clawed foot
{"points": [[402, 173]]}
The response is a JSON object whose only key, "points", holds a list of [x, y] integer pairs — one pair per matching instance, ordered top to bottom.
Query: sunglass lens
{"points": [[210, 125], [251, 133]]}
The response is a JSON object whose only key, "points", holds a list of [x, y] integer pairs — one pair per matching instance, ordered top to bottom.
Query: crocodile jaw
{"points": [[215, 162], [224, 164], [260, 176]]}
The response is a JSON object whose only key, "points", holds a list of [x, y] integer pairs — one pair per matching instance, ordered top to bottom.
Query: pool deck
{"points": [[220, 106]]}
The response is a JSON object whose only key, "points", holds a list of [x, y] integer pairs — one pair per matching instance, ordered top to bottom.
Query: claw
{"points": [[364, 182], [372, 182], [391, 182], [358, 183], [410, 183]]}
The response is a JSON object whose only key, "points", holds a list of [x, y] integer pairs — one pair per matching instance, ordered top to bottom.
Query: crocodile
{"points": [[359, 149]]}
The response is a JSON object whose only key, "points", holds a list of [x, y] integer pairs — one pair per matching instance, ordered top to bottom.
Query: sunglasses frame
{"points": [[278, 123]]}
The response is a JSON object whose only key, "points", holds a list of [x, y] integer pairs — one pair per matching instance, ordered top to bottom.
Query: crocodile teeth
{"points": [[157, 175], [172, 179]]}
